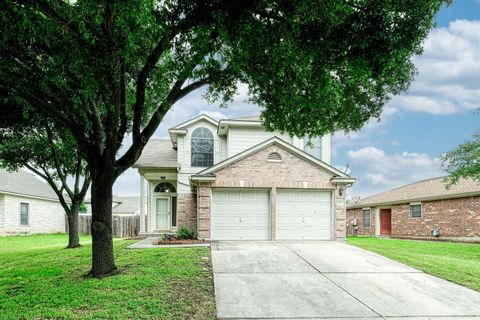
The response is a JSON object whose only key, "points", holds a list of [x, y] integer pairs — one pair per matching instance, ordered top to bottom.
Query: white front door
{"points": [[162, 209], [303, 214], [240, 215]]}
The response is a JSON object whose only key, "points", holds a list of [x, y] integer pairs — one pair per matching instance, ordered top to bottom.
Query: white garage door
{"points": [[303, 214], [240, 215]]}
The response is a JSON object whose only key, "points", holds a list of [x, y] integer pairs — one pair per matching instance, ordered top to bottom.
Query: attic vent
{"points": [[274, 156]]}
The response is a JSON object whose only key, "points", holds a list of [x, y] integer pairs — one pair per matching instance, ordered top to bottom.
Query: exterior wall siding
{"points": [[243, 138], [255, 171], [45, 216], [458, 217]]}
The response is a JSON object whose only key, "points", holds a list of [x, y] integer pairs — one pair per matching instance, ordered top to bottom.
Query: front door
{"points": [[162, 208], [385, 222]]}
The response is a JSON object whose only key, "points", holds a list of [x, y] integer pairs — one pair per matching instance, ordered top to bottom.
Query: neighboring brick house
{"points": [[232, 180], [28, 205], [417, 209]]}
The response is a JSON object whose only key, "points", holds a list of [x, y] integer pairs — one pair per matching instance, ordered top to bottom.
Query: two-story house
{"points": [[232, 180]]}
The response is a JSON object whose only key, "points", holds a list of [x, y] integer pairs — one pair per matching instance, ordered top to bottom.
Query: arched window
{"points": [[202, 148], [165, 187]]}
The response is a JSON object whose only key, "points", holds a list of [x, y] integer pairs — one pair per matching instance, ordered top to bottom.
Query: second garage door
{"points": [[303, 214], [240, 215]]}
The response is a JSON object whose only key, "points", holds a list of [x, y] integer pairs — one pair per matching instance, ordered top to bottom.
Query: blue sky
{"points": [[438, 112]]}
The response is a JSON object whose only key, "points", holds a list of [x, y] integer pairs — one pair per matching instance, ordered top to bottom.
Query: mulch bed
{"points": [[177, 241]]}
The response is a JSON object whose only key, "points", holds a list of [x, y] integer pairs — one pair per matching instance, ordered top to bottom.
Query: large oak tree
{"points": [[104, 69]]}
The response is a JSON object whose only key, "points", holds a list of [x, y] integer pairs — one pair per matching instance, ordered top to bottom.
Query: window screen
{"points": [[202, 148], [416, 211], [24, 214], [366, 218]]}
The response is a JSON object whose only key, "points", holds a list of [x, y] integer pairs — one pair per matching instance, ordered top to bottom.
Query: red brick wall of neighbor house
{"points": [[256, 172], [187, 210], [358, 213], [455, 217]]}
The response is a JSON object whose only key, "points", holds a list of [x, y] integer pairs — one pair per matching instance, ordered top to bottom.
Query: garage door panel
{"points": [[246, 213], [303, 214]]}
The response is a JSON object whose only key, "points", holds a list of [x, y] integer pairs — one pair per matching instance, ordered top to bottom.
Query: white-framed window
{"points": [[313, 146], [202, 147], [415, 210], [24, 214], [366, 218]]}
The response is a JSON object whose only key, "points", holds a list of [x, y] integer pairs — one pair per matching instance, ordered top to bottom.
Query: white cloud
{"points": [[447, 80], [378, 171]]}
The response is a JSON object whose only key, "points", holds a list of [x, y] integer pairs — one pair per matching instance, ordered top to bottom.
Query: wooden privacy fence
{"points": [[123, 226]]}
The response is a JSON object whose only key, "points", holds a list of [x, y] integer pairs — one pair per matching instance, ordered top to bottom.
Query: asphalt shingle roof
{"points": [[158, 153], [25, 183], [421, 190], [126, 205]]}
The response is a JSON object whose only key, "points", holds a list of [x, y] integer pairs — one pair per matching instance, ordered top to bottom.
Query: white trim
{"points": [[195, 119], [267, 143], [202, 178], [343, 180]]}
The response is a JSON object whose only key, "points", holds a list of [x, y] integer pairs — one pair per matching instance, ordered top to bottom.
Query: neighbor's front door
{"points": [[162, 213], [385, 222]]}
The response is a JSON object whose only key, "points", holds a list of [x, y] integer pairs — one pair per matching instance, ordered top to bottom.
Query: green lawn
{"points": [[456, 262], [39, 279]]}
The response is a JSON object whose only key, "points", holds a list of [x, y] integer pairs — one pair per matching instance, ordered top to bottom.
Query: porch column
{"points": [[142, 205]]}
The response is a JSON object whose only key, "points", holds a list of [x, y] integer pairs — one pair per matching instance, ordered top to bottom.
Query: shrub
{"points": [[186, 233]]}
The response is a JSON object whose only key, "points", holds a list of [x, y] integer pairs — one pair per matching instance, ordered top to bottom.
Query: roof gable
{"points": [[200, 117], [274, 140]]}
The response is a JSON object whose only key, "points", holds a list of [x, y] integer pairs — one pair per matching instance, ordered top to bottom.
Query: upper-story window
{"points": [[313, 146], [202, 147]]}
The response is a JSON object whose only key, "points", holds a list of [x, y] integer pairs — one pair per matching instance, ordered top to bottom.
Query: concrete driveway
{"points": [[312, 280]]}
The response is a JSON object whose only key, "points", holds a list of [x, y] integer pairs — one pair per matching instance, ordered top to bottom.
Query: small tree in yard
{"points": [[103, 69], [52, 154], [463, 162]]}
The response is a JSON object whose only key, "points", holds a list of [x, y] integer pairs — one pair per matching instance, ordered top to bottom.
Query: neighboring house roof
{"points": [[158, 153], [209, 172], [24, 183], [429, 189], [126, 205]]}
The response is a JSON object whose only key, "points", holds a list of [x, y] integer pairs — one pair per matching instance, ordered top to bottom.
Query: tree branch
{"points": [[56, 161], [45, 175]]}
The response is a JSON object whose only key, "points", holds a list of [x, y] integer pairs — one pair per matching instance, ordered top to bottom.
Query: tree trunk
{"points": [[72, 216], [103, 263]]}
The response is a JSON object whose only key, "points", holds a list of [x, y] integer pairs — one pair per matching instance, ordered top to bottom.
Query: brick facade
{"points": [[254, 171], [187, 210], [358, 214], [457, 217]]}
